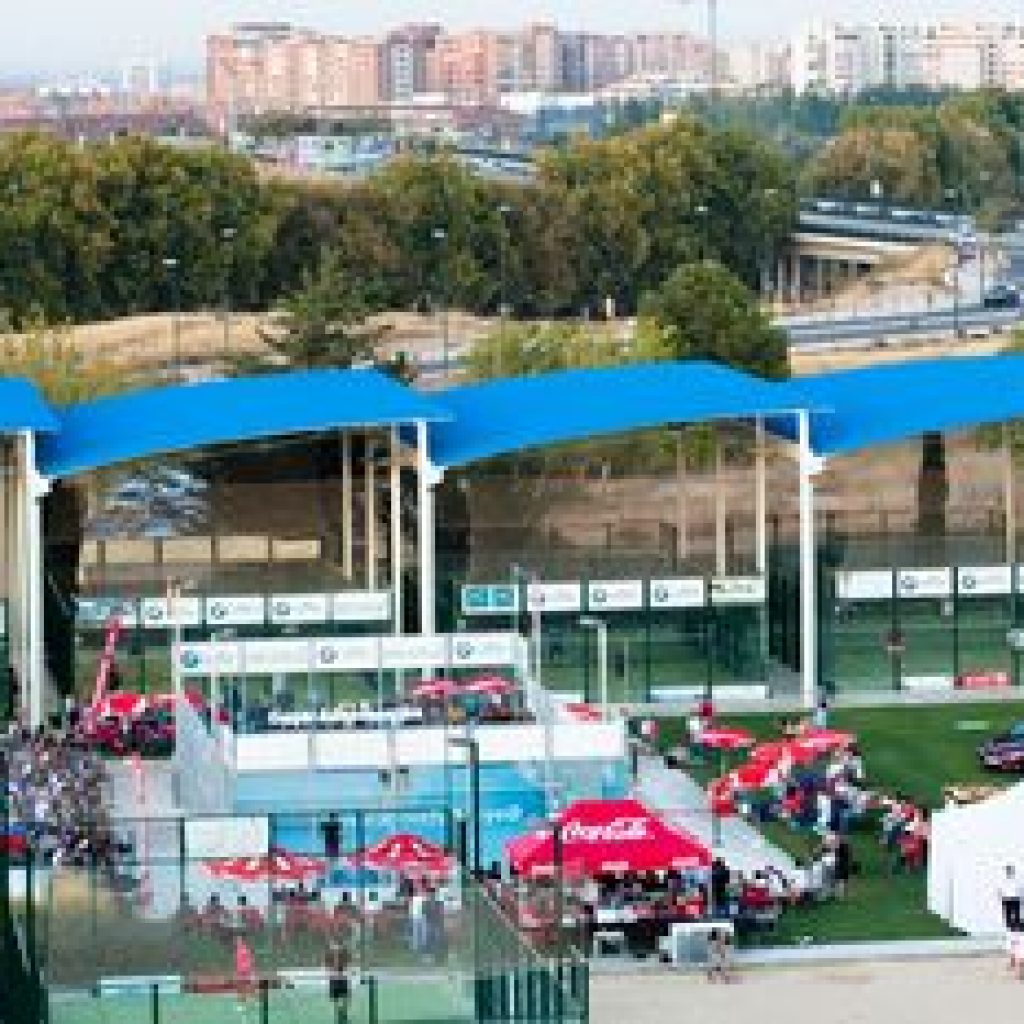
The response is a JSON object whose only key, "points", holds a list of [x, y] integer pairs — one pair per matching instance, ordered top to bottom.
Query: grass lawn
{"points": [[913, 750]]}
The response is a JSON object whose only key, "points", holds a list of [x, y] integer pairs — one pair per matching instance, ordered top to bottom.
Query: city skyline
{"points": [[60, 37]]}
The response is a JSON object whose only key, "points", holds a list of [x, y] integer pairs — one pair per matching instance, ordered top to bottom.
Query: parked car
{"points": [[1005, 752]]}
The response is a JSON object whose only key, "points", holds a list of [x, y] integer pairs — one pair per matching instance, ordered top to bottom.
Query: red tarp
{"points": [[607, 837]]}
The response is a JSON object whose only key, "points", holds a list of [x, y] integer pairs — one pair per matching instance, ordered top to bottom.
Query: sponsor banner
{"points": [[984, 580], [937, 582], [864, 585], [738, 590], [677, 593], [615, 595], [554, 597], [490, 599], [361, 606], [299, 608], [236, 610], [98, 611], [156, 612], [3, 618], [478, 650], [414, 651], [347, 654], [265, 657], [206, 659], [982, 680], [933, 682], [728, 691], [210, 838]]}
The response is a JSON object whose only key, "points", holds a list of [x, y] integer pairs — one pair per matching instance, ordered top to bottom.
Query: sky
{"points": [[49, 36]]}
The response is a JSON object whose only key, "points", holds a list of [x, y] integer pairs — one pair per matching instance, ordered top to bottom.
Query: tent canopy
{"points": [[600, 837]]}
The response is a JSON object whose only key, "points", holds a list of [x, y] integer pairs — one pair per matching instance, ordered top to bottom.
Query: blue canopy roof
{"points": [[891, 402], [22, 407], [185, 416], [498, 417]]}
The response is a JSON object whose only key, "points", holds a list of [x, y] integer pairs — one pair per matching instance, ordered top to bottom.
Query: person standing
{"points": [[820, 720], [331, 830], [719, 888], [1010, 897], [418, 920], [339, 988]]}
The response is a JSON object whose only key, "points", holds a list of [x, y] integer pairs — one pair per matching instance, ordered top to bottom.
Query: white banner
{"points": [[984, 580], [936, 582], [864, 585], [738, 590], [677, 593], [615, 595], [554, 597], [361, 606], [301, 608], [236, 610], [97, 611], [156, 614], [479, 650], [415, 651], [347, 654], [265, 657], [207, 658]]}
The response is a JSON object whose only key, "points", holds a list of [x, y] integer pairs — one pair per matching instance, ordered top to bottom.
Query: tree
{"points": [[704, 311], [324, 323]]}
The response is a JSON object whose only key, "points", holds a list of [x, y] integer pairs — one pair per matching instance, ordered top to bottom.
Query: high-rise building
{"points": [[405, 56]]}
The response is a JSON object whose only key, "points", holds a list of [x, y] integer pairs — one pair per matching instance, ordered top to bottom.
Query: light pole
{"points": [[953, 195], [504, 212], [702, 213], [440, 235], [228, 236], [171, 265], [520, 576], [592, 622], [472, 747]]}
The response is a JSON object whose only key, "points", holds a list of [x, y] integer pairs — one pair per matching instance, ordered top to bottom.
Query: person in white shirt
{"points": [[1010, 897], [418, 920]]}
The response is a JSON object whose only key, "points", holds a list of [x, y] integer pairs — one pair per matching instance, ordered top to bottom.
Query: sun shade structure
{"points": [[22, 407], [187, 416], [504, 416]]}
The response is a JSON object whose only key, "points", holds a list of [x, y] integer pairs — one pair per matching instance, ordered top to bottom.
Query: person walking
{"points": [[1010, 897], [339, 987]]}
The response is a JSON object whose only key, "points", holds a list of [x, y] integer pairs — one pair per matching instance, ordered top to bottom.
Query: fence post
{"points": [[371, 999], [264, 1001], [154, 1002]]}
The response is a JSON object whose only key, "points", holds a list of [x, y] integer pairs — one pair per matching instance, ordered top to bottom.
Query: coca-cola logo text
{"points": [[618, 830]]}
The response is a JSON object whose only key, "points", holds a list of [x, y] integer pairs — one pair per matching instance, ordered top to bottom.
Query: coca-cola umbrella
{"points": [[490, 686], [435, 689], [120, 704], [722, 737], [823, 741], [600, 837], [406, 854], [276, 866]]}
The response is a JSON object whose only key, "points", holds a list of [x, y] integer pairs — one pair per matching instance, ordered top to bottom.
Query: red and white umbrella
{"points": [[490, 686], [435, 689], [193, 697], [120, 704], [721, 737], [823, 741], [783, 753], [752, 775], [406, 854], [276, 866]]}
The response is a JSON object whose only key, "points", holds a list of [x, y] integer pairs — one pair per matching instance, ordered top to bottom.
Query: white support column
{"points": [[427, 477], [35, 489], [1009, 497], [760, 499], [370, 511], [396, 530], [347, 538], [721, 561], [808, 566]]}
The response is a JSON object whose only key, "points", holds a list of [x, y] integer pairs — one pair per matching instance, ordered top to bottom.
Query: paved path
{"points": [[683, 802], [932, 991]]}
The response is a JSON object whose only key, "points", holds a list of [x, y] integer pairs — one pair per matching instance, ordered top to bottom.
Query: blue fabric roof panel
{"points": [[885, 404], [22, 407], [188, 416], [499, 417]]}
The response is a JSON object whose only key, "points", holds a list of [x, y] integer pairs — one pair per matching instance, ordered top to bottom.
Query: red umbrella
{"points": [[490, 686], [435, 689], [193, 697], [119, 704], [721, 737], [823, 741], [782, 752], [752, 775], [606, 837], [405, 853], [277, 866]]}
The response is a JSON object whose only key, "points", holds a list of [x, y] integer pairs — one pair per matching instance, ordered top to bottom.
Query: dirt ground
{"points": [[933, 991]]}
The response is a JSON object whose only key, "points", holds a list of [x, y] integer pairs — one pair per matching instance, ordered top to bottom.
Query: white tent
{"points": [[970, 848]]}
